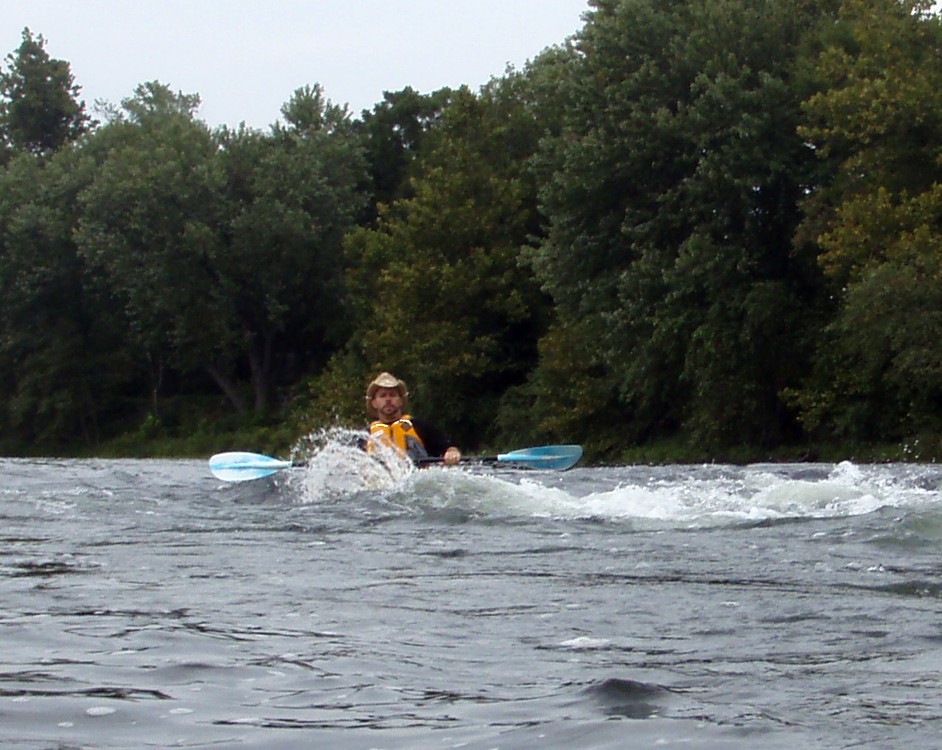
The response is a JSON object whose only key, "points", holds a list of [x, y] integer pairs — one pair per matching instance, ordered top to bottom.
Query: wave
{"points": [[646, 497]]}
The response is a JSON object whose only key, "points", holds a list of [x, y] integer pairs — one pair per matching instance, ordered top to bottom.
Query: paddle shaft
{"points": [[558, 457], [464, 460]]}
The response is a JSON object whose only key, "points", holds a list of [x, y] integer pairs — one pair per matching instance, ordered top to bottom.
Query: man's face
{"points": [[387, 403]]}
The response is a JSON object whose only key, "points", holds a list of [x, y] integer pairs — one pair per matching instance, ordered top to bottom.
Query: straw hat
{"points": [[384, 380]]}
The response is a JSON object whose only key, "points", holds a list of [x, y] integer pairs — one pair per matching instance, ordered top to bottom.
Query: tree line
{"points": [[712, 222]]}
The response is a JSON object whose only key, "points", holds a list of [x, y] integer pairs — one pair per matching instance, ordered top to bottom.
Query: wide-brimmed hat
{"points": [[386, 380]]}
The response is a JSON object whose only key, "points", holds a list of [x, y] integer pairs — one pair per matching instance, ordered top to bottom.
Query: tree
{"points": [[39, 106], [877, 118], [393, 134], [291, 198], [673, 200], [150, 220], [225, 247], [440, 296], [66, 365]]}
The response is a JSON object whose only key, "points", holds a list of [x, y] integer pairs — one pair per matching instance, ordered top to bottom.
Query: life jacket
{"points": [[400, 435]]}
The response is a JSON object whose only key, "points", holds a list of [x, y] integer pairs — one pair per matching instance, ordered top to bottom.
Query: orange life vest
{"points": [[400, 435]]}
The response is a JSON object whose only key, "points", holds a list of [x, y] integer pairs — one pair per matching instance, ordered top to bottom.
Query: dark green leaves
{"points": [[39, 107]]}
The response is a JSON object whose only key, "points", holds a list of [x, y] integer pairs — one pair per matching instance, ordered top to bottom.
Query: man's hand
{"points": [[452, 456]]}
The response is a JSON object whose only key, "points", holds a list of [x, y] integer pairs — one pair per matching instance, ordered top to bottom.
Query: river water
{"points": [[147, 604]]}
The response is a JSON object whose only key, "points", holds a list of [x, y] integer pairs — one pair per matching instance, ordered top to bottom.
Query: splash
{"points": [[336, 465]]}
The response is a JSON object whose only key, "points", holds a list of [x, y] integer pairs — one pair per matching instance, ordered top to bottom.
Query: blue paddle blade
{"points": [[559, 457], [240, 466]]}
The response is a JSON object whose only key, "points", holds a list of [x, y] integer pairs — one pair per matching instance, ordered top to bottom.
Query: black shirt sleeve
{"points": [[435, 441]]}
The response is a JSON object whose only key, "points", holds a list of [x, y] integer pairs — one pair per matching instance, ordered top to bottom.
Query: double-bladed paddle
{"points": [[241, 466]]}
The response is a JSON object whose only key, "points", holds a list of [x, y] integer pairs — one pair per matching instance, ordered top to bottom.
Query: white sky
{"points": [[245, 58]]}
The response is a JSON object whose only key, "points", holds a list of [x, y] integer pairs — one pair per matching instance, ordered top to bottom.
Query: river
{"points": [[147, 604]]}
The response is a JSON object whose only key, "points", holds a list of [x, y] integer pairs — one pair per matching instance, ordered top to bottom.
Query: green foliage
{"points": [[39, 107], [307, 112], [878, 118], [393, 134], [292, 197], [672, 203], [150, 219], [698, 229], [225, 247], [440, 297], [65, 366], [568, 397], [333, 398], [195, 427]]}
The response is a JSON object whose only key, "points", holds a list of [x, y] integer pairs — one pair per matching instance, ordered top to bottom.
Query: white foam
{"points": [[336, 466], [744, 495], [678, 496], [585, 643], [100, 711]]}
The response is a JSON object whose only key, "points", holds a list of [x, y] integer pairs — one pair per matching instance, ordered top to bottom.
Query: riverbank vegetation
{"points": [[699, 230]]}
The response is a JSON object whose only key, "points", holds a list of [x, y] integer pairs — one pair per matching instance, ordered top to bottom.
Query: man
{"points": [[386, 401]]}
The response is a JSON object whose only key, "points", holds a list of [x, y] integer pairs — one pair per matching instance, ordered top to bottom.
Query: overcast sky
{"points": [[245, 58]]}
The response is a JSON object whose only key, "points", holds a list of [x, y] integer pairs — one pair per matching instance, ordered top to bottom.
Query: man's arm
{"points": [[436, 442]]}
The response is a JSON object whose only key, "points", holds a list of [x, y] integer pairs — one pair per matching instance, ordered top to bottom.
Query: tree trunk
{"points": [[260, 358], [157, 379], [228, 387]]}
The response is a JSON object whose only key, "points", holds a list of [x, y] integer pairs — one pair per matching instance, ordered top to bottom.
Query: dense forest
{"points": [[701, 229]]}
